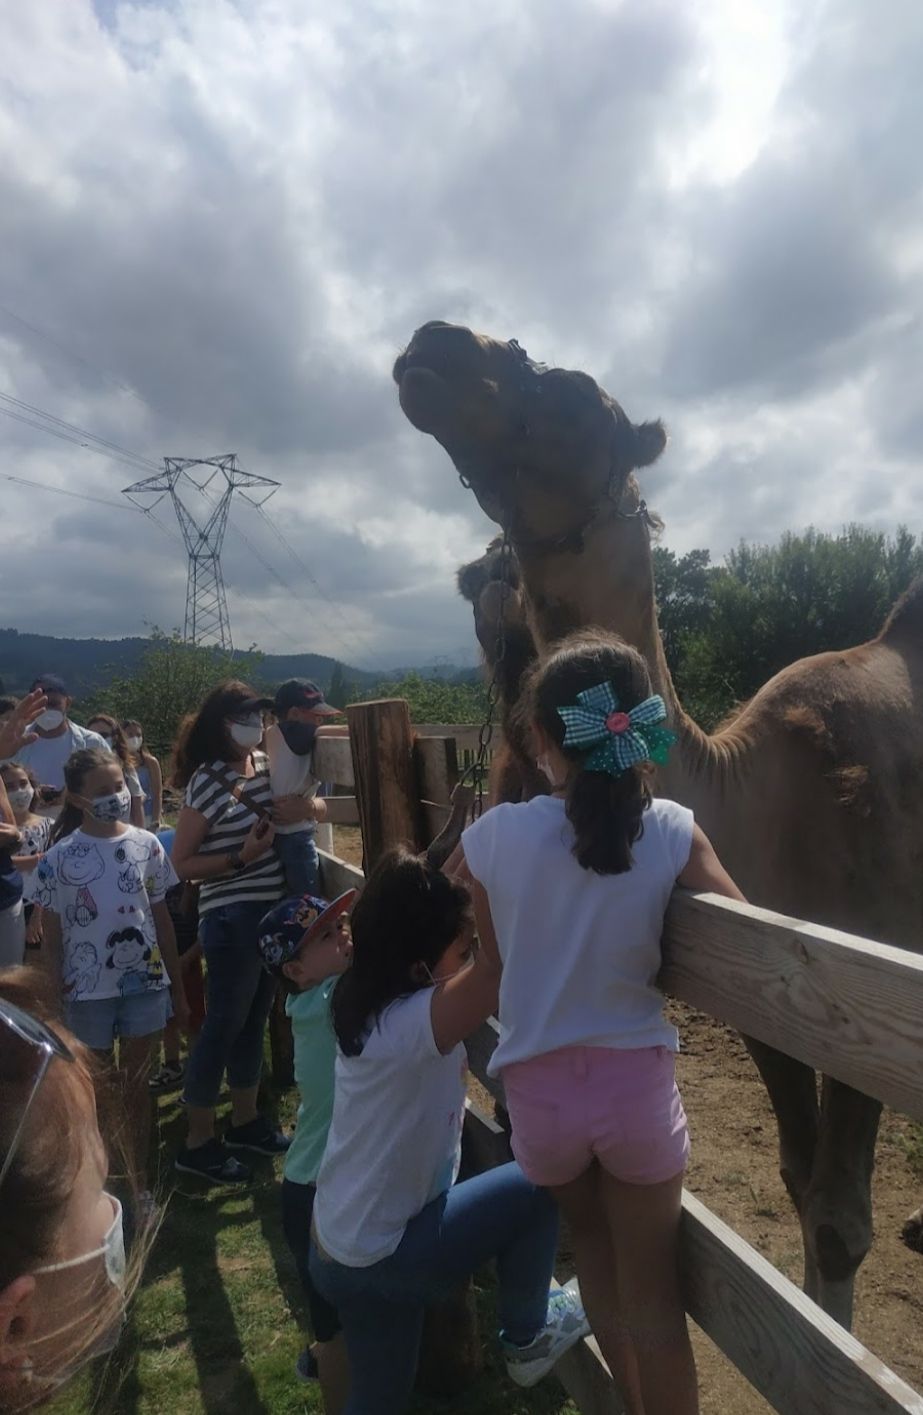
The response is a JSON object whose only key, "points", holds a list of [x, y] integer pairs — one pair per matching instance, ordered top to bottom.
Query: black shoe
{"points": [[257, 1135], [211, 1161], [306, 1366]]}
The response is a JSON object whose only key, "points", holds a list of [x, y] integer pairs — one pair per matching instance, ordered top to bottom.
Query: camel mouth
{"points": [[423, 394]]}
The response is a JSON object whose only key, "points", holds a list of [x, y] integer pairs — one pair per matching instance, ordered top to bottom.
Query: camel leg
{"points": [[792, 1088], [836, 1216]]}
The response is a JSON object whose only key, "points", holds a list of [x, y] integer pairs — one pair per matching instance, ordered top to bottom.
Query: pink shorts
{"points": [[572, 1106]]}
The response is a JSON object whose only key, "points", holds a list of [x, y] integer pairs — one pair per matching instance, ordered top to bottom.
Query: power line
{"points": [[355, 634]]}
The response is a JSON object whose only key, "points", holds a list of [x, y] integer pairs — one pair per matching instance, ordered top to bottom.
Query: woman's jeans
{"points": [[239, 994], [499, 1215]]}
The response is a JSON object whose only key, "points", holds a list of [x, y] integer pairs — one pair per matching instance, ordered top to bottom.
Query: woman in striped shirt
{"points": [[224, 840]]}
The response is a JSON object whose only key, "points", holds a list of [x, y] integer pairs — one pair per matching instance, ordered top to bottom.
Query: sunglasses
{"points": [[48, 1044]]}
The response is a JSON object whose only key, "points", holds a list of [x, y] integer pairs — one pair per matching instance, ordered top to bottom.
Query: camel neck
{"points": [[612, 584]]}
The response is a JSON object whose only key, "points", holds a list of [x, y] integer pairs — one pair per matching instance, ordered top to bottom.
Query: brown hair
{"points": [[203, 735], [119, 744], [605, 811], [407, 914], [39, 1182]]}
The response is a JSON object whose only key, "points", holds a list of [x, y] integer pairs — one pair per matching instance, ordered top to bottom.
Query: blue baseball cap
{"points": [[286, 927]]}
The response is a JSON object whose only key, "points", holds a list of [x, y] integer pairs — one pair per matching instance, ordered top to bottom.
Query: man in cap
{"points": [[301, 714], [56, 737]]}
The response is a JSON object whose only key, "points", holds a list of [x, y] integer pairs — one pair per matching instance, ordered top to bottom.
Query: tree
{"points": [[770, 605], [170, 681], [340, 691], [432, 699]]}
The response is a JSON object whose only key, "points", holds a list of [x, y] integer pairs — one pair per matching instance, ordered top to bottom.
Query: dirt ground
{"points": [[734, 1170]]}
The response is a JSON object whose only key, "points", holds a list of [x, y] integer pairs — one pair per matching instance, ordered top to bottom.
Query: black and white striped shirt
{"points": [[230, 821]]}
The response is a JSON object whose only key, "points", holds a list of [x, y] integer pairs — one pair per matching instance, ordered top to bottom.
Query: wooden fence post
{"points": [[381, 739], [390, 813]]}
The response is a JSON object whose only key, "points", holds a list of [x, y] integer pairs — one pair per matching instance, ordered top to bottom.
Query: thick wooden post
{"points": [[381, 739], [390, 813]]}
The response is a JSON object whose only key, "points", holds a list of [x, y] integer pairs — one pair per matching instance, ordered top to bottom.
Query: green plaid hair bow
{"points": [[619, 739]]}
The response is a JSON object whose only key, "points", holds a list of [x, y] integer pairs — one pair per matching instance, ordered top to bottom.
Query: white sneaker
{"points": [[565, 1325]]}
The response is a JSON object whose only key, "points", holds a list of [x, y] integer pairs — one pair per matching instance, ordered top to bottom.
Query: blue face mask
{"points": [[299, 737]]}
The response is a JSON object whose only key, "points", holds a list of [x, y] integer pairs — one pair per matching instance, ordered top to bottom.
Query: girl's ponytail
{"points": [[607, 814]]}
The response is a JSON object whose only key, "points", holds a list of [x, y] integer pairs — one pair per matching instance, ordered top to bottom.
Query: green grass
{"points": [[218, 1322]]}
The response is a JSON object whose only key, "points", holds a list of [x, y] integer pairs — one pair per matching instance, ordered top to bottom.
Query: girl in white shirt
{"points": [[570, 892], [392, 1230]]}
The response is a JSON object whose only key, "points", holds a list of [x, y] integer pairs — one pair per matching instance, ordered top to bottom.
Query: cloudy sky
{"points": [[220, 220]]}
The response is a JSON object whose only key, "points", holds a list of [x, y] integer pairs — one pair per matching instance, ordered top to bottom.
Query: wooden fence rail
{"points": [[850, 1007]]}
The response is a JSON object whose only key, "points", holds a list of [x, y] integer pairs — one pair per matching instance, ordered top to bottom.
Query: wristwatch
{"points": [[236, 862]]}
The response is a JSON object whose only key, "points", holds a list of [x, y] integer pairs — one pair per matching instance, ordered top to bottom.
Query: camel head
{"points": [[540, 447]]}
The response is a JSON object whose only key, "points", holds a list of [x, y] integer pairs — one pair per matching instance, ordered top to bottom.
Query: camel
{"points": [[810, 792]]}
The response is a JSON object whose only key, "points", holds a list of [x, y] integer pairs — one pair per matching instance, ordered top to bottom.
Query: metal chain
{"points": [[478, 770]]}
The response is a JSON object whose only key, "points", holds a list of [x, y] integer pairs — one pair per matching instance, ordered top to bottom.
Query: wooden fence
{"points": [[847, 1006]]}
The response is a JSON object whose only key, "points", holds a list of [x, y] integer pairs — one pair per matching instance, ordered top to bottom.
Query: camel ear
{"points": [[650, 440]]}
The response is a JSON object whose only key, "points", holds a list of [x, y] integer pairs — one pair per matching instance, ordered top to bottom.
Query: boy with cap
{"points": [[301, 713], [305, 943]]}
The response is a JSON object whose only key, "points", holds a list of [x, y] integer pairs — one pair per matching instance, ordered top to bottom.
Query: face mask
{"points": [[49, 720], [247, 734], [299, 737], [134, 743], [21, 800], [111, 808], [112, 1251]]}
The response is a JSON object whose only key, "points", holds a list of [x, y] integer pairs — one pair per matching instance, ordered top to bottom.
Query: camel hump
{"points": [[906, 618]]}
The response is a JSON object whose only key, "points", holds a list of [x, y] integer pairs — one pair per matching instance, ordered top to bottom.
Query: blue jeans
{"points": [[298, 853], [238, 997], [499, 1215]]}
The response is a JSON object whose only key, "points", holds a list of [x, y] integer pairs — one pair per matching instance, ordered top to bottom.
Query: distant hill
{"points": [[87, 665]]}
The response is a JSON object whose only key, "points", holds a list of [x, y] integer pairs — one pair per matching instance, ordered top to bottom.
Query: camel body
{"points": [[810, 793]]}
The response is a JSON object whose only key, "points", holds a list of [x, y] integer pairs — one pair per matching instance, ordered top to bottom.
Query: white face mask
{"points": [[48, 720], [249, 733], [134, 743], [21, 800], [111, 808], [112, 1251]]}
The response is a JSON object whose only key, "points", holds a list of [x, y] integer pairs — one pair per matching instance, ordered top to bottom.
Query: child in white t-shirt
{"points": [[297, 809], [570, 892], [107, 930], [392, 1229]]}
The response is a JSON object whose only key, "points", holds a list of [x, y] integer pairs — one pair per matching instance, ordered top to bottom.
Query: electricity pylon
{"points": [[206, 601]]}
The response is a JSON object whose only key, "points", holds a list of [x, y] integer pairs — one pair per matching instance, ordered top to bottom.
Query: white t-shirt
{"points": [[290, 775], [102, 891], [580, 951], [395, 1139]]}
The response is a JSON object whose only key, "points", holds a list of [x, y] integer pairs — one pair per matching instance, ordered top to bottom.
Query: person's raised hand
{"points": [[14, 733]]}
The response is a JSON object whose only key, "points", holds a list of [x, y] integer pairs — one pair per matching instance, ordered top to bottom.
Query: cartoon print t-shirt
{"points": [[102, 891]]}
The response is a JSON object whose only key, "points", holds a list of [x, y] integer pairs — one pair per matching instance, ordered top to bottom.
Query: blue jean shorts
{"points": [[98, 1021]]}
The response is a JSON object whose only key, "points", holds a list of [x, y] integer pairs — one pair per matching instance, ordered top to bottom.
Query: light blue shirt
{"points": [[46, 756]]}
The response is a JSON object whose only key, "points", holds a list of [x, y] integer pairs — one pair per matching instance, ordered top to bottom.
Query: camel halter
{"points": [[574, 540]]}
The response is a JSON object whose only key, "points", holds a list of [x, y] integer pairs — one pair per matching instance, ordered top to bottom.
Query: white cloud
{"points": [[222, 220]]}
